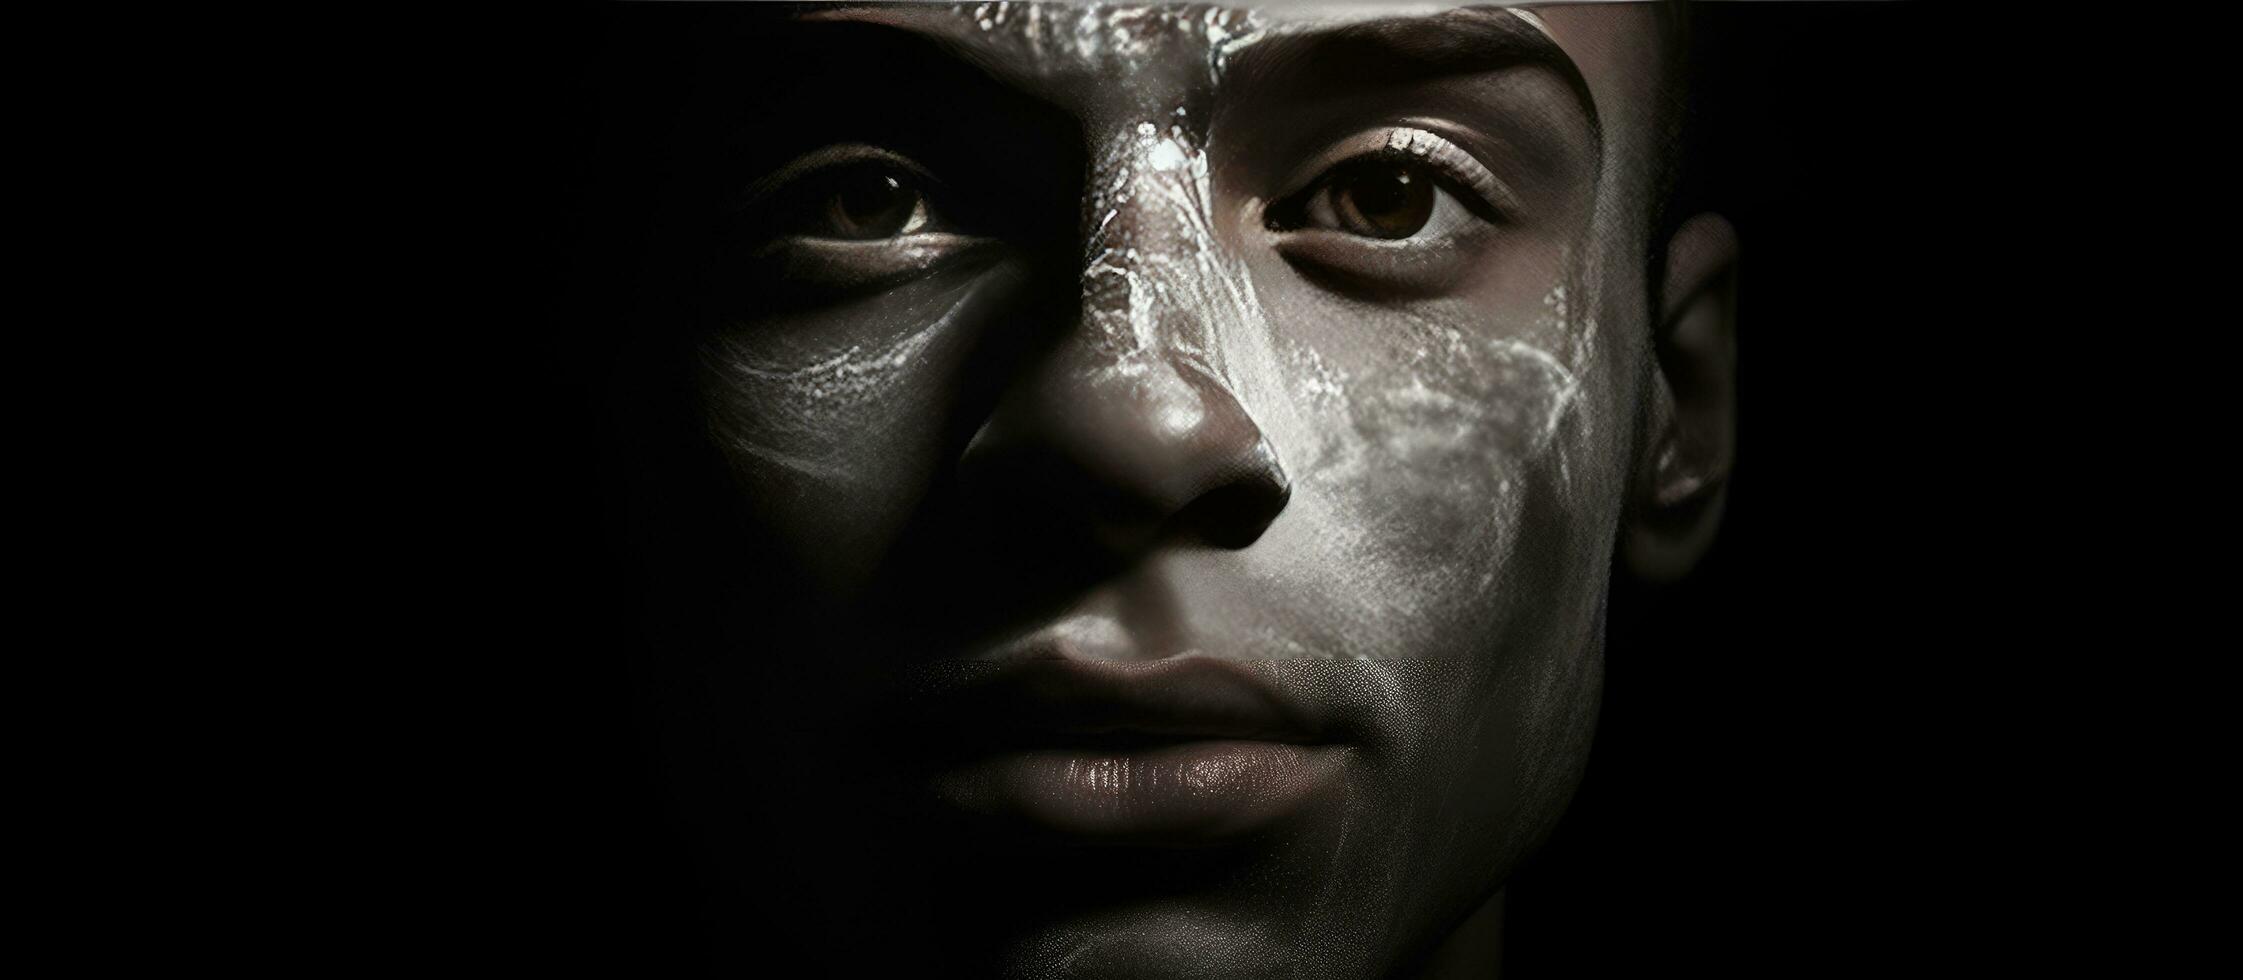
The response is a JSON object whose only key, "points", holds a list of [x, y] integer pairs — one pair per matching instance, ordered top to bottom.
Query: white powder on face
{"points": [[1117, 38], [846, 377], [808, 411], [1443, 433], [1445, 436], [1429, 448]]}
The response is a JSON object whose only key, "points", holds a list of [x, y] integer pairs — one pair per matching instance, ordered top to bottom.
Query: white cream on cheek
{"points": [[809, 411], [1413, 469]]}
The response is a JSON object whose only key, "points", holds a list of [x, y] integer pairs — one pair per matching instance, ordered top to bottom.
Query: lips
{"points": [[1181, 749]]}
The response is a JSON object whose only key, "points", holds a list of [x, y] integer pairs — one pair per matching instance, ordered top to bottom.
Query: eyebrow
{"points": [[1468, 40], [1461, 41]]}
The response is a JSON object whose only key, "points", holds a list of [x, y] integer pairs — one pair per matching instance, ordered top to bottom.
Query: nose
{"points": [[1125, 453]]}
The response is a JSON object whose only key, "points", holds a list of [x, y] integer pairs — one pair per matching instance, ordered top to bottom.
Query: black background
{"points": [[1793, 741]]}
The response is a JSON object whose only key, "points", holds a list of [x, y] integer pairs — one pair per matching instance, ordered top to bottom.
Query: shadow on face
{"points": [[1132, 490]]}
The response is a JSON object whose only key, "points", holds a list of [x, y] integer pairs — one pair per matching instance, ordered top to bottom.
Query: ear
{"points": [[1682, 476]]}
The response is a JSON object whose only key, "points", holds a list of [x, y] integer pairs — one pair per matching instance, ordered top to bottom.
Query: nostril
{"points": [[1082, 458], [1242, 500]]}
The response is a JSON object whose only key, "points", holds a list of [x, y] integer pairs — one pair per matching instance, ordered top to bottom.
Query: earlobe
{"points": [[1682, 476]]}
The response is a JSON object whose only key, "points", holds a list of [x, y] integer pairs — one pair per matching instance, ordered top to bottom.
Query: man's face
{"points": [[1195, 439]]}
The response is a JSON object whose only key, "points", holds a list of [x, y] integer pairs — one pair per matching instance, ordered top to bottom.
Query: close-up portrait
{"points": [[1307, 489]]}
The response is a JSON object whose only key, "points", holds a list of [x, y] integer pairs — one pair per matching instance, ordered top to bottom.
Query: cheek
{"points": [[835, 421], [1427, 435]]}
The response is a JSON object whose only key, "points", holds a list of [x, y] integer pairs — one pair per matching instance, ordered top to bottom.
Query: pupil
{"points": [[1389, 202], [872, 208]]}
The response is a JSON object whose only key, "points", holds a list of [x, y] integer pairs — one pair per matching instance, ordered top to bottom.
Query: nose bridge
{"points": [[1153, 279], [1160, 292], [1160, 295], [1136, 403]]}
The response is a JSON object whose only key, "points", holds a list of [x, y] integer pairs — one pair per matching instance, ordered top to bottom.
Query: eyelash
{"points": [[1477, 187], [772, 201]]}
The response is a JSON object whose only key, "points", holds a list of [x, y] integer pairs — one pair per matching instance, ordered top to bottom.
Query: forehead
{"points": [[1607, 54]]}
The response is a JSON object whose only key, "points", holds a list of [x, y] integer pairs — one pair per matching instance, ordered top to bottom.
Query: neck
{"points": [[1475, 950]]}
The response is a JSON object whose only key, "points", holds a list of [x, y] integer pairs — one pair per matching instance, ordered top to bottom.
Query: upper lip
{"points": [[1055, 702]]}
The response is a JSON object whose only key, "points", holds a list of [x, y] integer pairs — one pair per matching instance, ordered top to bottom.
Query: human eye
{"points": [[862, 196], [1386, 200], [1401, 208], [853, 216]]}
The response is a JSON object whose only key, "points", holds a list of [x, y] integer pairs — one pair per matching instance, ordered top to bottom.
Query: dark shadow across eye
{"points": [[847, 193], [869, 205]]}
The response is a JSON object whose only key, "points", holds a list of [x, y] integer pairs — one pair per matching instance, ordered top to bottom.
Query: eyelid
{"points": [[1414, 143], [829, 159]]}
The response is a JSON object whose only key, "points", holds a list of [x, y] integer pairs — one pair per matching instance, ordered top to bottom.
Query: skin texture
{"points": [[1118, 393]]}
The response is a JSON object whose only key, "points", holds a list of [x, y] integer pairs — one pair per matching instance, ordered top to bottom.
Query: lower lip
{"points": [[1184, 791]]}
